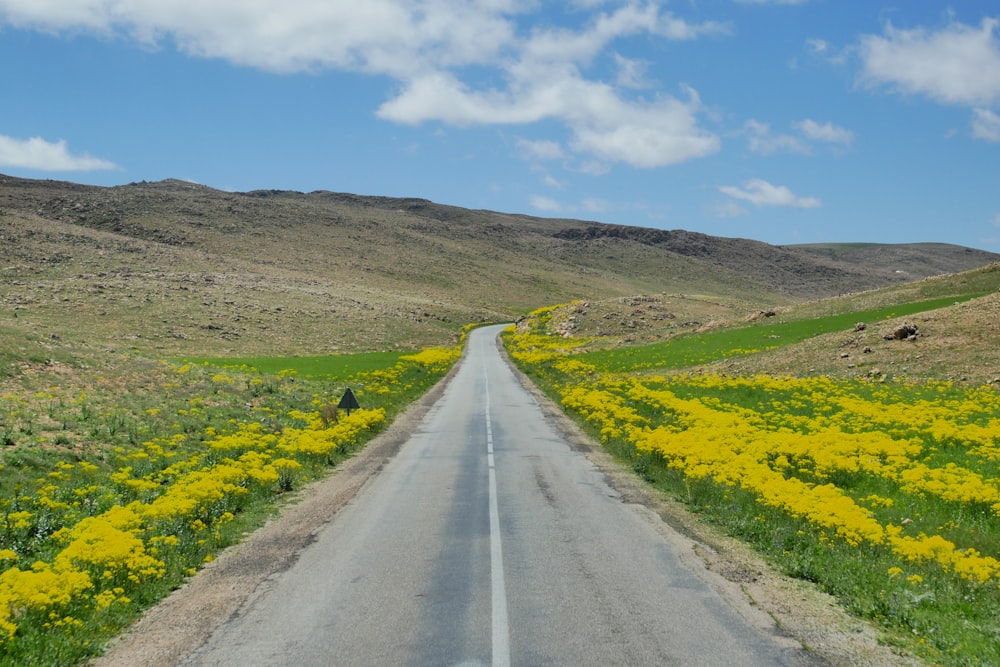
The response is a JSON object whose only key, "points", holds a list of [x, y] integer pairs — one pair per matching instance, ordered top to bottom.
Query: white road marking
{"points": [[501, 632]]}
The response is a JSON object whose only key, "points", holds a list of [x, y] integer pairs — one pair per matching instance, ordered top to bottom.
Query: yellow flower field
{"points": [[887, 494], [84, 546]]}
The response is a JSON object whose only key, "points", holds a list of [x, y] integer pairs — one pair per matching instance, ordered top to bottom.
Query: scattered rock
{"points": [[860, 326], [903, 332]]}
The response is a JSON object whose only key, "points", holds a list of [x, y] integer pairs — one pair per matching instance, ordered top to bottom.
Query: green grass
{"points": [[979, 281], [18, 348], [695, 349], [72, 438], [919, 605]]}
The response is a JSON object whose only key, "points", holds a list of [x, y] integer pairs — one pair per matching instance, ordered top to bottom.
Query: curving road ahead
{"points": [[487, 540]]}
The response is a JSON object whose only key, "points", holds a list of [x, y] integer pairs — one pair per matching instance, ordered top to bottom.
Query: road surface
{"points": [[487, 540]]}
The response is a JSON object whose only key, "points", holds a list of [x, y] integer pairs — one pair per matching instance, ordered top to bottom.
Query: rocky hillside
{"points": [[177, 268]]}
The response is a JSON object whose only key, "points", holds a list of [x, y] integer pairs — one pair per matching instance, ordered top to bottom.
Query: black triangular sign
{"points": [[348, 402]]}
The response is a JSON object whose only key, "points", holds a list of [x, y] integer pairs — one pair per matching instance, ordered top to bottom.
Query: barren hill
{"points": [[176, 268]]}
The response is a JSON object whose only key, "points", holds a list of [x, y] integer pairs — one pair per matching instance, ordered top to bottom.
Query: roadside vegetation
{"points": [[726, 343], [126, 462], [120, 479], [883, 490]]}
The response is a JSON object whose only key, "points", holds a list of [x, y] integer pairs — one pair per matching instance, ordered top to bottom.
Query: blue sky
{"points": [[786, 121]]}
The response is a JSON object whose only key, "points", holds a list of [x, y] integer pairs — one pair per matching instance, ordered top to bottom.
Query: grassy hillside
{"points": [[916, 260], [173, 268], [956, 316], [821, 438]]}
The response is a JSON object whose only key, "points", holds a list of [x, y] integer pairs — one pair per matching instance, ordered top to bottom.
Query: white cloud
{"points": [[772, 2], [672, 27], [378, 36], [579, 46], [817, 46], [427, 48], [820, 48], [958, 64], [631, 73], [986, 125], [827, 132], [642, 134], [654, 134], [761, 139], [765, 142], [542, 149], [37, 153], [593, 168], [546, 178], [552, 182], [761, 193], [546, 204], [589, 205], [727, 209]]}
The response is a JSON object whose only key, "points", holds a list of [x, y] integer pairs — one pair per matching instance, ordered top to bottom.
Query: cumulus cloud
{"points": [[377, 36], [429, 49], [957, 64], [986, 125], [653, 134], [37, 153], [761, 193]]}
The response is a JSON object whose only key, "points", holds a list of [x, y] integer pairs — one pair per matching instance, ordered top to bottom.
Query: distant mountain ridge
{"points": [[324, 271]]}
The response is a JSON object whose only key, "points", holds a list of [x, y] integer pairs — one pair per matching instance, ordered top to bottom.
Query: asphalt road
{"points": [[487, 540]]}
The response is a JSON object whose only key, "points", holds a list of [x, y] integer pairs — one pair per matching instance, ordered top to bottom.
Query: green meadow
{"points": [[694, 349]]}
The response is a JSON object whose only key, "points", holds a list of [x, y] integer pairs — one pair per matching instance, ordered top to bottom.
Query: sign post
{"points": [[348, 402]]}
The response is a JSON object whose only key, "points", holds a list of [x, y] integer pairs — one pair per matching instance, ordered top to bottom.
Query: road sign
{"points": [[348, 402]]}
